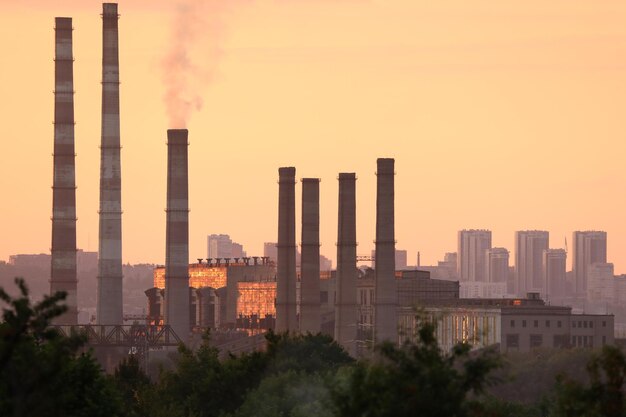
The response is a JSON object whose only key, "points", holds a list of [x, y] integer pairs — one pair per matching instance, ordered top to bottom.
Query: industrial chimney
{"points": [[177, 235], [63, 268], [386, 300], [109, 304], [346, 305], [286, 318], [310, 320]]}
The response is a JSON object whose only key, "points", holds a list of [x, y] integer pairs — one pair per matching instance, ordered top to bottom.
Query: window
{"points": [[512, 323], [523, 323], [536, 323], [547, 323], [603, 323], [558, 324], [573, 324], [591, 324], [512, 340], [536, 340], [560, 341]]}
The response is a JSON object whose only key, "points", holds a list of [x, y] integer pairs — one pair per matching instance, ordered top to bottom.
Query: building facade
{"points": [[472, 246], [529, 247], [589, 248]]}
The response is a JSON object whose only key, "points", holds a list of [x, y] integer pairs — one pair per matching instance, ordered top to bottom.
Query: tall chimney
{"points": [[177, 235], [63, 267], [386, 302], [109, 304], [346, 305], [286, 319], [310, 320]]}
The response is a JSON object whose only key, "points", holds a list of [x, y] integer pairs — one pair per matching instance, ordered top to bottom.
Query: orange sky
{"points": [[504, 115]]}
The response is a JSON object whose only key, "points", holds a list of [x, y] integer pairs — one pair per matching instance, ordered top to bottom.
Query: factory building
{"points": [[237, 294], [514, 324]]}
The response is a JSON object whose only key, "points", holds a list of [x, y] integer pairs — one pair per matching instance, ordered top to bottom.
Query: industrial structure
{"points": [[177, 234], [310, 258], [63, 260], [109, 302], [386, 303], [346, 305], [286, 315]]}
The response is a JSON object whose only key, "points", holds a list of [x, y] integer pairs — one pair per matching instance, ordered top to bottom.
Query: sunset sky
{"points": [[506, 115]]}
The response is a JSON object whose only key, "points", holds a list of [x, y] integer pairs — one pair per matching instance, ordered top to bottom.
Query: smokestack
{"points": [[63, 268], [386, 303], [109, 304], [177, 304], [346, 305], [286, 319], [310, 320]]}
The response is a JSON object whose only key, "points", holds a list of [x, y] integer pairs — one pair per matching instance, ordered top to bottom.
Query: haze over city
{"points": [[503, 116]]}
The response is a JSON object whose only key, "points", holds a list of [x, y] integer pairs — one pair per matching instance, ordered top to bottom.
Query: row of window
{"points": [[536, 323], [579, 323], [585, 324], [558, 341]]}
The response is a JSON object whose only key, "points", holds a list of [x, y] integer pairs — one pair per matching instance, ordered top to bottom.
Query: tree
{"points": [[41, 372], [415, 379], [604, 396]]}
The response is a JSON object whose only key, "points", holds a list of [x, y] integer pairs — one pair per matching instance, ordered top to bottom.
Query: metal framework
{"points": [[137, 336]]}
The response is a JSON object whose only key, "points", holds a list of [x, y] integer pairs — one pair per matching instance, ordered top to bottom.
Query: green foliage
{"points": [[308, 353], [40, 370], [415, 378], [132, 384], [202, 385], [288, 394], [603, 396]]}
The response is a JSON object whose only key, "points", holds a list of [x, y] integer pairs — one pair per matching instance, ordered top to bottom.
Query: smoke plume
{"points": [[191, 59]]}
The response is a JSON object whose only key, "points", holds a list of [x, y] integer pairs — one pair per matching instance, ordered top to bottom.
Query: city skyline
{"points": [[568, 169]]}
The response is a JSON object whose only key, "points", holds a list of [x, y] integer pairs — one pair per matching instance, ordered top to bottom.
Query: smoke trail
{"points": [[186, 74]]}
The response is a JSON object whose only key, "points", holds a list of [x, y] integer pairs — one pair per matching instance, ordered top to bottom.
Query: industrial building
{"points": [[515, 324]]}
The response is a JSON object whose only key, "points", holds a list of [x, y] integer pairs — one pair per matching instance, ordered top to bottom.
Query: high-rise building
{"points": [[222, 246], [529, 247], [589, 248], [270, 251], [471, 254], [496, 265], [554, 272], [601, 282]]}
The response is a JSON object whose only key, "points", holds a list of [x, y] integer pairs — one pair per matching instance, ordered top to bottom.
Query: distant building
{"points": [[222, 246], [529, 247], [589, 248], [269, 250], [471, 254], [401, 259], [496, 265], [554, 273], [601, 283], [477, 289], [520, 325]]}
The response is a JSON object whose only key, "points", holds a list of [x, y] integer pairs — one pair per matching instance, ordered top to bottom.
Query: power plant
{"points": [[63, 268], [250, 294], [109, 301]]}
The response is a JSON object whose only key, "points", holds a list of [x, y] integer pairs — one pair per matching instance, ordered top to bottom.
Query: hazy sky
{"points": [[506, 115]]}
